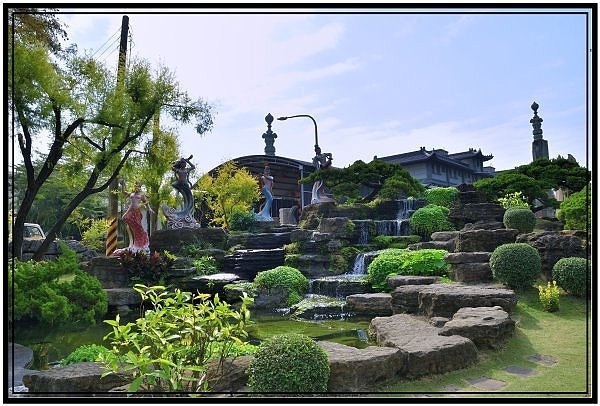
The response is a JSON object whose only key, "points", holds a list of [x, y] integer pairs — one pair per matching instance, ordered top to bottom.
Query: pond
{"points": [[51, 344]]}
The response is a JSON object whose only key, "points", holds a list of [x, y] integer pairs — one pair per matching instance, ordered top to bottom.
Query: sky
{"points": [[377, 81]]}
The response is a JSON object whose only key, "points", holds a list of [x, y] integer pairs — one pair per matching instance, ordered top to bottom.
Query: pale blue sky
{"points": [[376, 83]]}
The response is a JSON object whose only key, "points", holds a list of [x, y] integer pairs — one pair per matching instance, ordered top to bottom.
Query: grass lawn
{"points": [[565, 335]]}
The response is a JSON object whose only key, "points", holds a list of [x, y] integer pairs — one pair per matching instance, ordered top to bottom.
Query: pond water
{"points": [[50, 345]]}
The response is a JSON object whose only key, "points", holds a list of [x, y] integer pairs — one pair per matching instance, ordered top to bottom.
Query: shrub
{"points": [[441, 196], [515, 199], [576, 210], [519, 218], [430, 219], [242, 220], [93, 237], [392, 241], [392, 261], [516, 264], [206, 265], [145, 268], [573, 275], [290, 279], [55, 292], [549, 296], [168, 349], [84, 353], [289, 363]]}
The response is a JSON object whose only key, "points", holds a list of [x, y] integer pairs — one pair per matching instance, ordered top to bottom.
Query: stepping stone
{"points": [[426, 351], [542, 359], [520, 371], [486, 383]]}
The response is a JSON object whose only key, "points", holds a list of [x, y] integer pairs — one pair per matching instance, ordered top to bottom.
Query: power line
{"points": [[101, 46]]}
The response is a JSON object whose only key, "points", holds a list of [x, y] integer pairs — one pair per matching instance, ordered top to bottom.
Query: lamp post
{"points": [[304, 115]]}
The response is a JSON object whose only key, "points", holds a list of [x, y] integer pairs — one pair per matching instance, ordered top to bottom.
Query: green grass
{"points": [[565, 335]]}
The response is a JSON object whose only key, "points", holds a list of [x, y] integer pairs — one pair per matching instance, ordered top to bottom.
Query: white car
{"points": [[33, 231]]}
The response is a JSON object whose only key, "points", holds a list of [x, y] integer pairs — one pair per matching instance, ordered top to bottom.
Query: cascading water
{"points": [[399, 226], [359, 265]]}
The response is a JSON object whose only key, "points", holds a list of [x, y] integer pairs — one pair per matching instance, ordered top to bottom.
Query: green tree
{"points": [[93, 124], [557, 172], [381, 179], [511, 182], [233, 189], [576, 210]]}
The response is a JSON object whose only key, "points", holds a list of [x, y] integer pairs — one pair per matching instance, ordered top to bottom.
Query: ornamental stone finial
{"points": [[536, 122], [269, 136]]}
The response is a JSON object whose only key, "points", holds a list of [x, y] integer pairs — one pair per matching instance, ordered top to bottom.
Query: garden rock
{"points": [[339, 227], [175, 240], [259, 240], [484, 240], [553, 246], [247, 263], [469, 266], [108, 270], [401, 280], [340, 286], [443, 300], [370, 304], [487, 327], [426, 351], [354, 370], [228, 376], [78, 377]]}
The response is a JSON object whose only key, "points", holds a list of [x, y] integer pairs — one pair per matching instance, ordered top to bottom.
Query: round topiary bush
{"points": [[519, 218], [430, 219], [516, 265], [573, 275], [288, 278], [289, 363]]}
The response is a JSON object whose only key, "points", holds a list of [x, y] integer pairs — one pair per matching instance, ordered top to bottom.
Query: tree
{"points": [[93, 125], [557, 172], [379, 178], [510, 182], [232, 189], [576, 210]]}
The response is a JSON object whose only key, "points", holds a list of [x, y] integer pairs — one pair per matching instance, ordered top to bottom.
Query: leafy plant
{"points": [[441, 196], [515, 199], [576, 210], [519, 218], [430, 219], [242, 220], [93, 236], [392, 241], [392, 261], [516, 264], [206, 265], [147, 268], [573, 275], [286, 277], [55, 292], [549, 296], [168, 349], [84, 353], [289, 363]]}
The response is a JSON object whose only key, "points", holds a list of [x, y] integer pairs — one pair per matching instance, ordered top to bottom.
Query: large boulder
{"points": [[175, 240], [259, 240], [480, 240], [553, 246], [469, 266], [108, 270], [370, 304], [487, 327], [426, 351], [348, 366], [78, 377]]}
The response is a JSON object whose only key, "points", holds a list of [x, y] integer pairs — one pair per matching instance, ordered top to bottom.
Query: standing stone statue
{"points": [[321, 161], [266, 180], [183, 218], [138, 237]]}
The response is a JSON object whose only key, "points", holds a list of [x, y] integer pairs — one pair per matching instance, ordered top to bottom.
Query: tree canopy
{"points": [[72, 113], [365, 182]]}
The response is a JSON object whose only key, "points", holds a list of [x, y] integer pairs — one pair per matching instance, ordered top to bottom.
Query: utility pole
{"points": [[113, 201]]}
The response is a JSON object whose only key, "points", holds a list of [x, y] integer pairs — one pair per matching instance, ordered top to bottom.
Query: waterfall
{"points": [[399, 226], [359, 265]]}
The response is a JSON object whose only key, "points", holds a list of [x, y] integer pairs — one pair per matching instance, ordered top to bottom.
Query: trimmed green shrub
{"points": [[441, 196], [519, 218], [430, 219], [242, 220], [393, 241], [392, 261], [516, 264], [573, 275], [286, 277], [55, 292], [84, 353], [289, 363]]}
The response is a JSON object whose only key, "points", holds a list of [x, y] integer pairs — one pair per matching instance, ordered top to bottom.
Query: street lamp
{"points": [[304, 115]]}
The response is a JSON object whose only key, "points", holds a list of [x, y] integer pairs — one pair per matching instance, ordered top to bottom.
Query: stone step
{"points": [[426, 351]]}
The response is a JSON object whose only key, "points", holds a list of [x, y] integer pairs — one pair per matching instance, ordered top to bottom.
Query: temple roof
{"points": [[423, 155]]}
